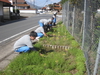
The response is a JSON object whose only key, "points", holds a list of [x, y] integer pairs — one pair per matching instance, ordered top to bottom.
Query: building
{"points": [[22, 6], [54, 6], [57, 6], [44, 8], [4, 13]]}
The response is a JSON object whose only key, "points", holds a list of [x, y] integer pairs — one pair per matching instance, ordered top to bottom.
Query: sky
{"points": [[45, 2], [42, 3]]}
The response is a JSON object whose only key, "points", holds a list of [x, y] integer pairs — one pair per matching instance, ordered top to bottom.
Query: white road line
{"points": [[18, 34]]}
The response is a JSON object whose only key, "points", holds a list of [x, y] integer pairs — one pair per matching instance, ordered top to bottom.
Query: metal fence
{"points": [[82, 20]]}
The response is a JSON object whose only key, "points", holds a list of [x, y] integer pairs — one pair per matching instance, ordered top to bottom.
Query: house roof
{"points": [[19, 0], [6, 1], [22, 5], [56, 5], [44, 8], [58, 8]]}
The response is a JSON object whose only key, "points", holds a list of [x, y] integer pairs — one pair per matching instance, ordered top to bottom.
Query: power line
{"points": [[45, 2]]}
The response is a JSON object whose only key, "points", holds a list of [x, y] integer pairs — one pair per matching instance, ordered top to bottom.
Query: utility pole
{"points": [[15, 5], [35, 6], [15, 8]]}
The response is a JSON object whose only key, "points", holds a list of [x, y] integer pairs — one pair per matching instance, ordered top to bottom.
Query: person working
{"points": [[54, 18], [43, 22], [46, 23], [50, 23], [41, 31], [24, 44]]}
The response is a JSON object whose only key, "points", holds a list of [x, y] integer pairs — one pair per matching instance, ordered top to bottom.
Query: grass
{"points": [[59, 36], [51, 61]]}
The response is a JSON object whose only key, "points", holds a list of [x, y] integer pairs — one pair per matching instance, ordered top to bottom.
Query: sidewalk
{"points": [[6, 49]]}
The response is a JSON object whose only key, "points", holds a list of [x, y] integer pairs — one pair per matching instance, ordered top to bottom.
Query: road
{"points": [[14, 27]]}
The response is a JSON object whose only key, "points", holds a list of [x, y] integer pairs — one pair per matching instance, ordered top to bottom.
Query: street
{"points": [[14, 27]]}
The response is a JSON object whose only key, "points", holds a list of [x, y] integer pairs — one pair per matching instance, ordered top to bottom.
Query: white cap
{"points": [[55, 13], [46, 22]]}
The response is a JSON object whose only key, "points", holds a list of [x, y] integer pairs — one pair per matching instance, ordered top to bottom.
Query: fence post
{"points": [[63, 13], [67, 15], [73, 21], [84, 27], [84, 30], [97, 59]]}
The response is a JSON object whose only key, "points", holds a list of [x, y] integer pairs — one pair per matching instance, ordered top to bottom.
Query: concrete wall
{"points": [[27, 11]]}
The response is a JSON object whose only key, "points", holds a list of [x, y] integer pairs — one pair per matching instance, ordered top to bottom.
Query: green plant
{"points": [[59, 23], [51, 61], [80, 66], [50, 72], [66, 73], [79, 73]]}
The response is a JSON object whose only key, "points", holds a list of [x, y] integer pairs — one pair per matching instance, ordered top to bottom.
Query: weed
{"points": [[50, 62], [50, 72]]}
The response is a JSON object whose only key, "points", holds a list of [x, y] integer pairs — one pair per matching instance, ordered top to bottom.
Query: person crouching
{"points": [[24, 44]]}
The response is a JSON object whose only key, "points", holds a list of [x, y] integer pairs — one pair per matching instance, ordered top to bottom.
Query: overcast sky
{"points": [[42, 2]]}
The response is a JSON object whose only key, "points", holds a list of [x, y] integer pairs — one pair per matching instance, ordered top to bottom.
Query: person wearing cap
{"points": [[55, 13], [54, 18], [43, 22], [46, 23], [24, 44]]}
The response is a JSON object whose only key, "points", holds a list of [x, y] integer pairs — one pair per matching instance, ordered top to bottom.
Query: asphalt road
{"points": [[14, 27]]}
